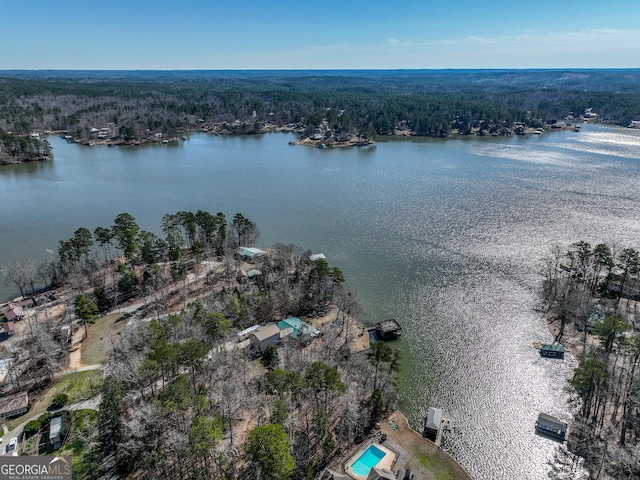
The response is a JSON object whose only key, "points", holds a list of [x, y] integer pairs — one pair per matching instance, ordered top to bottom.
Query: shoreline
{"points": [[327, 140]]}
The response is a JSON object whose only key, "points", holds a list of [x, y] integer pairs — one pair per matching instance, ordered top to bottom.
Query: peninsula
{"points": [[227, 348]]}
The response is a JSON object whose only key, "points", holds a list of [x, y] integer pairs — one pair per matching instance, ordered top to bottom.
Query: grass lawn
{"points": [[101, 337], [78, 386], [436, 465]]}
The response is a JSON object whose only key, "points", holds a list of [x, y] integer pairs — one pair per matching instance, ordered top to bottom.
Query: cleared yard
{"points": [[101, 338]]}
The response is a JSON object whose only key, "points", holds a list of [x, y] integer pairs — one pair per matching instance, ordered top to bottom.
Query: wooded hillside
{"points": [[431, 103]]}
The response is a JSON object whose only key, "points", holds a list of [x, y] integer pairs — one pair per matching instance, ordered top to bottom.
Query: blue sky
{"points": [[328, 34]]}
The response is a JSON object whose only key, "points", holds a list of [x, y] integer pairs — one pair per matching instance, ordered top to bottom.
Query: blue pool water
{"points": [[369, 459]]}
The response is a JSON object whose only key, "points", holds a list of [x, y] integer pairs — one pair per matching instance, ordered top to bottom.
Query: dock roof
{"points": [[390, 325], [553, 348], [434, 419], [553, 422]]}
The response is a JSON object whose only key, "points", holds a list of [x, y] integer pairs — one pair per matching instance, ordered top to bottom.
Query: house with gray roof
{"points": [[265, 336]]}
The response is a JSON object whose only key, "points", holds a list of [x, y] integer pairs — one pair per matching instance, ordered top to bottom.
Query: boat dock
{"points": [[387, 329], [552, 351], [435, 425], [551, 427]]}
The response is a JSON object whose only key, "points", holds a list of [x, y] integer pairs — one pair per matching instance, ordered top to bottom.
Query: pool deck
{"points": [[425, 459], [386, 462]]}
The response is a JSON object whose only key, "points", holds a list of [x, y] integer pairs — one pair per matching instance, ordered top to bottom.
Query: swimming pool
{"points": [[369, 459]]}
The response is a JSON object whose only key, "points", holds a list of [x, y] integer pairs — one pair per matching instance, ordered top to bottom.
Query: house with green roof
{"points": [[250, 252], [298, 327]]}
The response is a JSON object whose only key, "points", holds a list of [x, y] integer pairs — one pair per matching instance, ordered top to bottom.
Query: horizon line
{"points": [[490, 69]]}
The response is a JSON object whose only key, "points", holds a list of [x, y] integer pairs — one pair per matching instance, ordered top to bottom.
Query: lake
{"points": [[446, 236]]}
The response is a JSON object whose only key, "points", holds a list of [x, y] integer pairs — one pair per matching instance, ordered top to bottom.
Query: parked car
{"points": [[11, 447]]}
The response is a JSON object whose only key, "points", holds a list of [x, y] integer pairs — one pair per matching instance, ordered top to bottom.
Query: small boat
{"points": [[322, 145]]}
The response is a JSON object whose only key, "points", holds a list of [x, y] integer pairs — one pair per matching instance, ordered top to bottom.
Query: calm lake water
{"points": [[445, 236]]}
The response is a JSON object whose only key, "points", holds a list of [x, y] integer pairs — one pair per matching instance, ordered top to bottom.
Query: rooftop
{"points": [[251, 252], [299, 327], [265, 332], [13, 403], [55, 428]]}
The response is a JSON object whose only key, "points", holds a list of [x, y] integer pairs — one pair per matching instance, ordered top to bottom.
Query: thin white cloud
{"points": [[559, 38], [482, 40], [592, 48]]}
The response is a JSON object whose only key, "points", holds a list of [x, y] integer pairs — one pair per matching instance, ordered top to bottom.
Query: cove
{"points": [[444, 235]]}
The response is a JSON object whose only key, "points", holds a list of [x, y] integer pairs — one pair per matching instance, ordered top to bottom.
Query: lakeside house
{"points": [[250, 253], [317, 256], [298, 327]]}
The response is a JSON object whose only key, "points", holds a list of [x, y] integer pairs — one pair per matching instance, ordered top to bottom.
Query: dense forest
{"points": [[427, 103], [591, 295], [178, 398]]}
